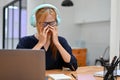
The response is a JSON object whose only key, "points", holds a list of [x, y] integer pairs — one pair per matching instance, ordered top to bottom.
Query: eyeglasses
{"points": [[52, 23]]}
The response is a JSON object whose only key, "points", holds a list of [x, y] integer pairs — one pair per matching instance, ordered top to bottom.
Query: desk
{"points": [[80, 70]]}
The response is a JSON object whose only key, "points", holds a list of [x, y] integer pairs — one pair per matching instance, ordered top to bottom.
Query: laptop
{"points": [[22, 64]]}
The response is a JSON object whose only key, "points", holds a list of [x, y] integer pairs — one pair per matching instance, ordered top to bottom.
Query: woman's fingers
{"points": [[51, 28], [44, 29]]}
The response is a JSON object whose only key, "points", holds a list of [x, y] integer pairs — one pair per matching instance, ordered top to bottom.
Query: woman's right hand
{"points": [[42, 36]]}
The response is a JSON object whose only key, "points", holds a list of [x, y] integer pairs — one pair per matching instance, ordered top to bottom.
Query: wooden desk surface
{"points": [[80, 70]]}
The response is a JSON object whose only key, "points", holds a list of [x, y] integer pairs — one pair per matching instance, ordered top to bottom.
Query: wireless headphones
{"points": [[33, 17]]}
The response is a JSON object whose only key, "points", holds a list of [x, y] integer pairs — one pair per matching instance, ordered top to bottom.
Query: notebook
{"points": [[22, 65], [59, 77]]}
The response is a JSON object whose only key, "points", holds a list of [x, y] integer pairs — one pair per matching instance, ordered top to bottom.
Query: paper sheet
{"points": [[85, 77]]}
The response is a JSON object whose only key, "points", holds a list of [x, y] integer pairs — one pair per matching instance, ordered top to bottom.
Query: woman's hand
{"points": [[54, 31], [43, 35]]}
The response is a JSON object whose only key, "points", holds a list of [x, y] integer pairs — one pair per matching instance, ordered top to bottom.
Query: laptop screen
{"points": [[22, 65]]}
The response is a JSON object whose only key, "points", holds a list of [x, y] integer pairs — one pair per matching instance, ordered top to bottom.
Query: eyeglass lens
{"points": [[53, 23]]}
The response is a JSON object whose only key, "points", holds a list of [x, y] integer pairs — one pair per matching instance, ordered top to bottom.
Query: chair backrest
{"points": [[103, 57]]}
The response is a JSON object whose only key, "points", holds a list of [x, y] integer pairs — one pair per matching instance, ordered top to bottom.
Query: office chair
{"points": [[99, 59]]}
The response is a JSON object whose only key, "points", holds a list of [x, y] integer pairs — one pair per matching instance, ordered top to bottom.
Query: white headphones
{"points": [[33, 17]]}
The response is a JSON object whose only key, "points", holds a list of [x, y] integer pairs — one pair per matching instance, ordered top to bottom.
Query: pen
{"points": [[74, 76]]}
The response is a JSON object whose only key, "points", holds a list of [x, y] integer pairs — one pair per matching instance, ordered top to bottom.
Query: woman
{"points": [[58, 52]]}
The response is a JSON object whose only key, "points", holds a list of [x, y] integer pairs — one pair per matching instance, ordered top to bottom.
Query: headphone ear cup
{"points": [[58, 19], [33, 20]]}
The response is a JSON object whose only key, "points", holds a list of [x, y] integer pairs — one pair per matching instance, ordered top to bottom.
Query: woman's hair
{"points": [[41, 14]]}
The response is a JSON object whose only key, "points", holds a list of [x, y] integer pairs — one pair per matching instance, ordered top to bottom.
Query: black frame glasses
{"points": [[52, 23]]}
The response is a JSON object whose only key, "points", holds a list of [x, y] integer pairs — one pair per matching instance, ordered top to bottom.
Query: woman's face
{"points": [[45, 18]]}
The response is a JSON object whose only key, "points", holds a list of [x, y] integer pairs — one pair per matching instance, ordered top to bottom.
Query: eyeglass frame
{"points": [[44, 24]]}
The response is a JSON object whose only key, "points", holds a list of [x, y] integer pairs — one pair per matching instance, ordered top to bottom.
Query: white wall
{"points": [[92, 10], [115, 29], [93, 36], [96, 36]]}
